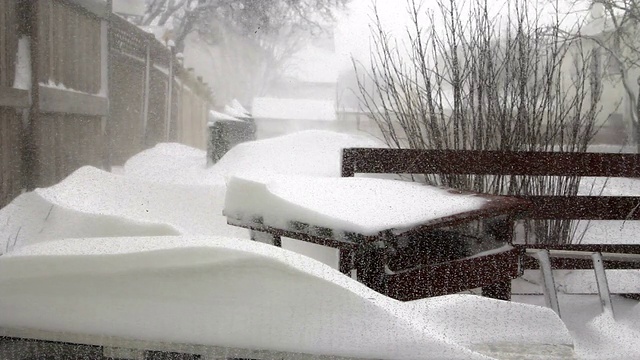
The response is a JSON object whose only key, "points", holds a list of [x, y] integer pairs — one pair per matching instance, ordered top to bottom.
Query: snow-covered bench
{"points": [[372, 220], [613, 255]]}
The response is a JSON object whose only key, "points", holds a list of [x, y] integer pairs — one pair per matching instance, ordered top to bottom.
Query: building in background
{"points": [[304, 97]]}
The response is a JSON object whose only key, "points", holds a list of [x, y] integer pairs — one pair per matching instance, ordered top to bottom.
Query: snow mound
{"points": [[313, 153], [172, 163], [94, 203], [361, 205], [32, 218], [210, 291], [474, 319], [605, 338]]}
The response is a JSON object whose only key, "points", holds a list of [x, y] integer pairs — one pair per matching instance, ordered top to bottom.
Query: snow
{"points": [[22, 78], [60, 86], [235, 104], [293, 109], [234, 112], [216, 116], [313, 153], [172, 163], [94, 203], [362, 205], [85, 256], [219, 291], [596, 335]]}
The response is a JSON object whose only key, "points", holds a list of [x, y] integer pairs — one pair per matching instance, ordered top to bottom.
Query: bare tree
{"points": [[255, 18], [276, 29], [617, 38], [477, 81]]}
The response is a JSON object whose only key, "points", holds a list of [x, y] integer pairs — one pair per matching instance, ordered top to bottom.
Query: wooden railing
{"points": [[542, 207]]}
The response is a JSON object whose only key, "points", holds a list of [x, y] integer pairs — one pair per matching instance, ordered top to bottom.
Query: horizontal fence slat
{"points": [[11, 97], [70, 102], [413, 161], [582, 207]]}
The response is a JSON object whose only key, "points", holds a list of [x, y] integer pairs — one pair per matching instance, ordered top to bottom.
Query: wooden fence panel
{"points": [[8, 42], [68, 47], [75, 116], [10, 118], [156, 122], [192, 123], [67, 132], [126, 133], [65, 143], [10, 155]]}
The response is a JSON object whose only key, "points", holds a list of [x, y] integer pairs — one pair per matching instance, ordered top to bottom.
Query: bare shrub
{"points": [[485, 83]]}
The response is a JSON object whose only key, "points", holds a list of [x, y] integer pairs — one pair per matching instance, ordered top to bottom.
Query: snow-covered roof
{"points": [[293, 109], [234, 112], [218, 116]]}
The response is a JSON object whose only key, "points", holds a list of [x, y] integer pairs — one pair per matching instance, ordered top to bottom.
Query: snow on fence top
{"points": [[215, 116], [361, 205]]}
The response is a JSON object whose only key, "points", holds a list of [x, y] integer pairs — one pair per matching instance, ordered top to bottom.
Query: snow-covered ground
{"points": [[147, 254]]}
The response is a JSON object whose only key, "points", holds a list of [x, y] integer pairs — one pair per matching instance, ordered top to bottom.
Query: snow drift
{"points": [[313, 152], [172, 163], [94, 203], [225, 292]]}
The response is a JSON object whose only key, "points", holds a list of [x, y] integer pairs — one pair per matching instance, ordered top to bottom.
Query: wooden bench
{"points": [[543, 207]]}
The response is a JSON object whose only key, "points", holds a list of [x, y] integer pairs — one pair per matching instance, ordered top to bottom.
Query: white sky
{"points": [[352, 31]]}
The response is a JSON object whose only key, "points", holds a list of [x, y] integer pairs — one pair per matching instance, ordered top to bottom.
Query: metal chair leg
{"points": [[603, 284], [550, 293]]}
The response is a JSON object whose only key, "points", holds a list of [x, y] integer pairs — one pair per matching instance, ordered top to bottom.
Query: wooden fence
{"points": [[81, 86]]}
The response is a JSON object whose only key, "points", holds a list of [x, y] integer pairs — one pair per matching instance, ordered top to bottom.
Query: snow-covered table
{"points": [[390, 232]]}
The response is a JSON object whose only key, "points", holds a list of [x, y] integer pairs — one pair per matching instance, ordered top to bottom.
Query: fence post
{"points": [[28, 27], [104, 81], [169, 96], [145, 98]]}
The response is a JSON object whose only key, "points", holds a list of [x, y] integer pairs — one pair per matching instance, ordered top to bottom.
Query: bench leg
{"points": [[502, 229], [266, 238], [345, 261], [369, 266], [500, 290]]}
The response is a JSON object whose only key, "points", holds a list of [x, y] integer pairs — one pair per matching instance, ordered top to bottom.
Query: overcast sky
{"points": [[353, 34]]}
